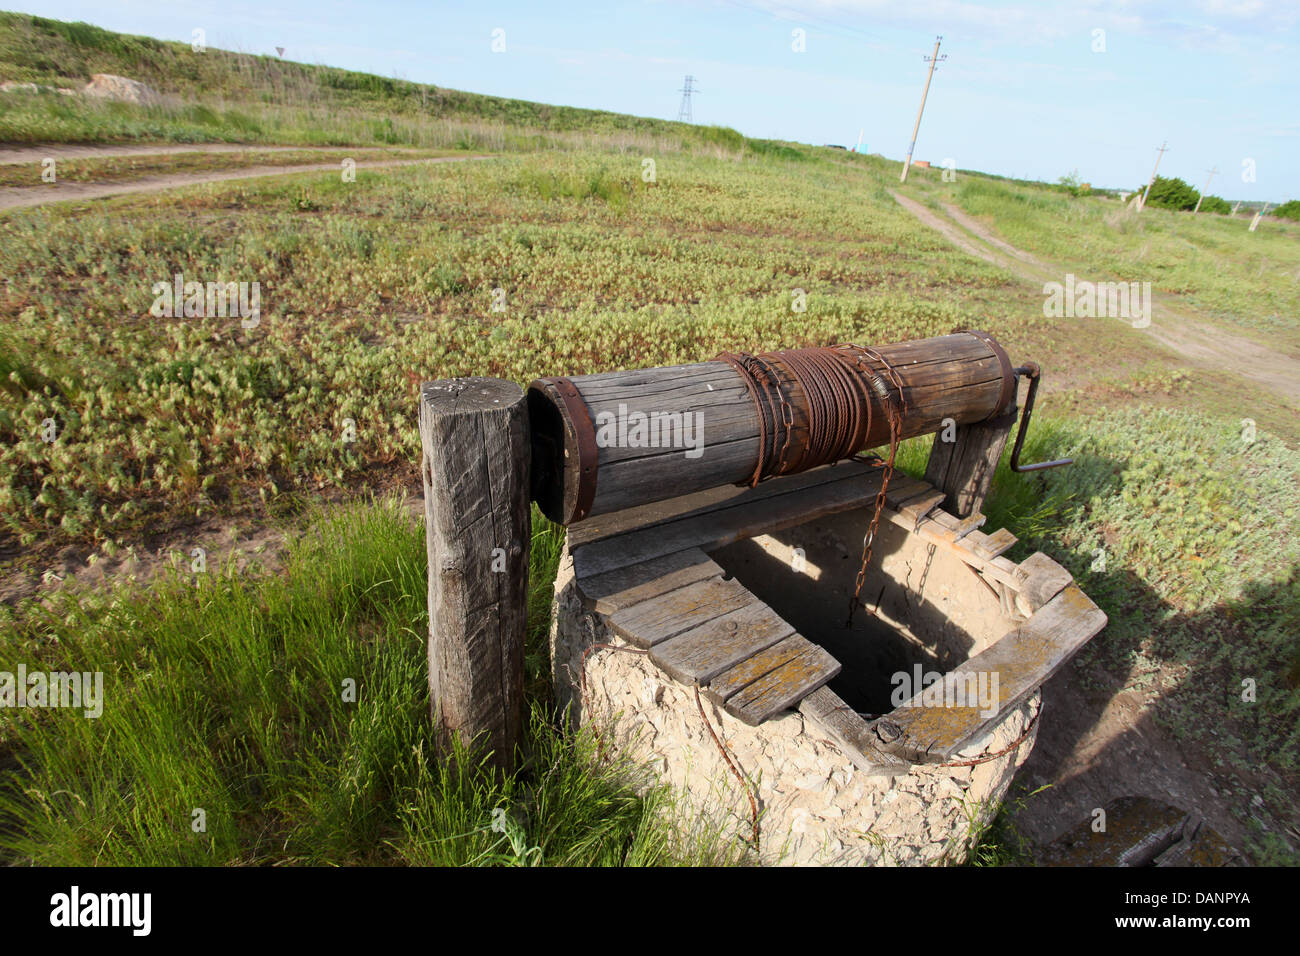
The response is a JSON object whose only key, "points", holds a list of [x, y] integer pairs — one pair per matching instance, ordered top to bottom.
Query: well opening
{"points": [[925, 608]]}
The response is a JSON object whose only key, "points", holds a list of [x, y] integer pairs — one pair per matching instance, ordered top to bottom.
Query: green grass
{"points": [[1211, 261], [158, 418], [225, 693]]}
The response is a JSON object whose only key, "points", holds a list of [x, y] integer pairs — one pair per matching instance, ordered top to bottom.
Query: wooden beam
{"points": [[667, 432], [963, 468], [478, 528], [704, 652], [783, 687], [851, 733]]}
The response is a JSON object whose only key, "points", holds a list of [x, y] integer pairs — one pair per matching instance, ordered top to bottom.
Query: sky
{"points": [[1029, 89]]}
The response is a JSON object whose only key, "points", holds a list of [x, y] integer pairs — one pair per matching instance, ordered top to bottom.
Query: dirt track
{"points": [[12, 155], [64, 192], [1193, 340]]}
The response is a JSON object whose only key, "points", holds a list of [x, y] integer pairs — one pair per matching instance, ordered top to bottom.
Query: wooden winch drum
{"points": [[602, 443]]}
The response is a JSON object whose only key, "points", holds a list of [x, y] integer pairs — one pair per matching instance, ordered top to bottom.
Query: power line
{"points": [[935, 59], [684, 112]]}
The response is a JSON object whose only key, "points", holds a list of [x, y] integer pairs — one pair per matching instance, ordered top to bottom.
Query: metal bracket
{"points": [[1033, 372]]}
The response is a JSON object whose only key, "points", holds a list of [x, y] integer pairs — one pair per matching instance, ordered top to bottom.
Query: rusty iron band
{"points": [[1008, 376], [588, 453]]}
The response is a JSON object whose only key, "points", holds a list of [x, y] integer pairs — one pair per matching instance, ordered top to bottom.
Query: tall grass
{"points": [[229, 736]]}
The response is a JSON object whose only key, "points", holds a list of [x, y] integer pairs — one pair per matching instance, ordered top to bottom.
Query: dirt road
{"points": [[12, 155], [18, 198], [1195, 341]]}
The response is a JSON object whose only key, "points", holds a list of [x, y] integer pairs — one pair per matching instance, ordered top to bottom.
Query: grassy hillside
{"points": [[217, 95]]}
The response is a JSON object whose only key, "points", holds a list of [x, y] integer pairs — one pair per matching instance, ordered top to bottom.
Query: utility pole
{"points": [[934, 59], [684, 114], [1159, 153], [1203, 188], [1258, 216]]}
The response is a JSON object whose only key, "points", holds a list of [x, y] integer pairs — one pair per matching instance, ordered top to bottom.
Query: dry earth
{"points": [[13, 155], [17, 198]]}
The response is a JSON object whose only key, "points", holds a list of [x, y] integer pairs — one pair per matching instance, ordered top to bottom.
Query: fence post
{"points": [[478, 526]]}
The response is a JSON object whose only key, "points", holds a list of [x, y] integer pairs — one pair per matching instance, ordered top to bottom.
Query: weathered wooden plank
{"points": [[473, 434], [902, 488], [692, 505], [920, 507], [740, 517], [957, 528], [933, 532], [989, 546], [1041, 580], [624, 587], [665, 616], [705, 651], [1022, 661], [745, 672], [782, 688], [851, 733]]}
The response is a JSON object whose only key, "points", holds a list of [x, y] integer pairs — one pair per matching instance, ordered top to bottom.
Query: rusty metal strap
{"points": [[1008, 375], [588, 453]]}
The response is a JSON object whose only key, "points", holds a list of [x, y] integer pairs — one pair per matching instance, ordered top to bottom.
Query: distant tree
{"points": [[1071, 182], [1172, 194], [1217, 205], [1288, 210]]}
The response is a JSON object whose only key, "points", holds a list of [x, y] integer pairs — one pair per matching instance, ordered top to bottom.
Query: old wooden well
{"points": [[702, 617]]}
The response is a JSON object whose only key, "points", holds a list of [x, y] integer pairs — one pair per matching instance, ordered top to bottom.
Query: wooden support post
{"points": [[474, 433], [963, 468]]}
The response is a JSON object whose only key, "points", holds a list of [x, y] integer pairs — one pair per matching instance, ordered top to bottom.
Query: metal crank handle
{"points": [[1032, 371]]}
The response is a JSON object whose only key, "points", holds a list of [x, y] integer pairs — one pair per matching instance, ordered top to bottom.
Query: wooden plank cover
{"points": [[772, 506], [626, 586], [665, 616], [703, 652], [1023, 660], [783, 688]]}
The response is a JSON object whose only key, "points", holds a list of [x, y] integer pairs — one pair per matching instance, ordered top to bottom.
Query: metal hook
{"points": [[1032, 371]]}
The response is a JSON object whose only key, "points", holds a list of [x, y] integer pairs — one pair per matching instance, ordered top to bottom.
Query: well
{"points": [[722, 519], [844, 772]]}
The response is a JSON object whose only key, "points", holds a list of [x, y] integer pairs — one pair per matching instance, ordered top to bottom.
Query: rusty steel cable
{"points": [[837, 386], [836, 403], [895, 404], [1014, 745], [722, 749]]}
